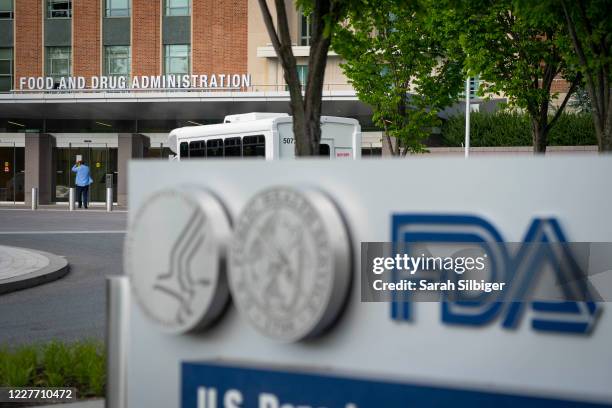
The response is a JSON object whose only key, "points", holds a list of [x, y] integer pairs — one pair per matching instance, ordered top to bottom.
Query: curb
{"points": [[57, 268]]}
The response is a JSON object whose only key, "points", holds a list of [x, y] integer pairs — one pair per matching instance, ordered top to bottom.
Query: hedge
{"points": [[514, 129], [81, 365]]}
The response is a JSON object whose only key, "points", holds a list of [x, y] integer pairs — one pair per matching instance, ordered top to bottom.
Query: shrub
{"points": [[514, 129], [81, 365], [18, 368]]}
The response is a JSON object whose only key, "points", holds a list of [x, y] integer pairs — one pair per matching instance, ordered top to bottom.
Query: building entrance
{"points": [[100, 158], [12, 172]]}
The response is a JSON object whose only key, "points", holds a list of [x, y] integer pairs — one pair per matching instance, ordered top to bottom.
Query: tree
{"points": [[325, 16], [589, 28], [519, 54], [396, 61]]}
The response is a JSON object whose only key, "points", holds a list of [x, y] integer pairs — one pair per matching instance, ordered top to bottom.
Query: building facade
{"points": [[108, 79]]}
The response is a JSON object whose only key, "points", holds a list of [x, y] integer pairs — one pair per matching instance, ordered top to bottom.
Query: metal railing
{"points": [[252, 88]]}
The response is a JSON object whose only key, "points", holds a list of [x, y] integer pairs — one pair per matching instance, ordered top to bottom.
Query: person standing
{"points": [[83, 180]]}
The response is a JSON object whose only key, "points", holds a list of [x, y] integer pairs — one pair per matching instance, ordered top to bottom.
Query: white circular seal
{"points": [[175, 256], [290, 263]]}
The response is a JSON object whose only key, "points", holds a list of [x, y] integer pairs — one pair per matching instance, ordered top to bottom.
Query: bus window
{"points": [[254, 146], [232, 147], [214, 148], [197, 149], [184, 150], [324, 150]]}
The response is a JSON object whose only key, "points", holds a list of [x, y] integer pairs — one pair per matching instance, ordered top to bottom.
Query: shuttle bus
{"points": [[266, 135]]}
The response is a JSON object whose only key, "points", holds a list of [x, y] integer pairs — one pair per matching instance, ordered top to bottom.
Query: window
{"points": [[178, 7], [59, 8], [117, 8], [6, 9], [305, 29], [176, 59], [117, 60], [58, 62], [6, 69], [302, 71], [254, 146], [233, 147], [214, 148], [197, 149], [184, 150], [324, 150], [371, 151]]}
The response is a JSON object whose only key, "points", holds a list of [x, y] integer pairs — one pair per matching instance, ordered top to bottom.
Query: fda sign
{"points": [[520, 270]]}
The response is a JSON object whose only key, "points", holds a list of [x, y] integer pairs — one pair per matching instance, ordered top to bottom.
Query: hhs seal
{"points": [[175, 257], [290, 263]]}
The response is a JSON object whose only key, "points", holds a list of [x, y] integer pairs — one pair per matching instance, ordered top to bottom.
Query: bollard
{"points": [[71, 194], [34, 198], [109, 199]]}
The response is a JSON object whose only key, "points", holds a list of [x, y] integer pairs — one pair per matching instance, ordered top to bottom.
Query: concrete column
{"points": [[131, 146], [39, 169]]}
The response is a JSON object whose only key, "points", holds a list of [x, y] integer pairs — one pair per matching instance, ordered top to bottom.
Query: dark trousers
{"points": [[82, 195]]}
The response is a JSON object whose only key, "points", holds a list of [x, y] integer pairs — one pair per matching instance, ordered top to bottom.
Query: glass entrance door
{"points": [[100, 158], [12, 172]]}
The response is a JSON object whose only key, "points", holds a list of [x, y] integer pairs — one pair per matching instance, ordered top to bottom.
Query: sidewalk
{"points": [[61, 207], [22, 268], [80, 404]]}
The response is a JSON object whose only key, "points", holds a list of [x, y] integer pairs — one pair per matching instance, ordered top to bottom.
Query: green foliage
{"points": [[590, 19], [513, 50], [399, 61], [581, 101], [514, 129], [57, 361], [81, 365], [89, 367], [18, 368]]}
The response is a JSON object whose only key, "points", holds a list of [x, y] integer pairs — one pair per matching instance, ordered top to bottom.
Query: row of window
{"points": [[113, 8], [6, 9], [117, 62], [6, 69], [248, 146]]}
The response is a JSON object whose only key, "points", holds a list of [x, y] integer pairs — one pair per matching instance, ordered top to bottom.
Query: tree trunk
{"points": [[597, 80], [306, 109], [603, 124], [539, 134]]}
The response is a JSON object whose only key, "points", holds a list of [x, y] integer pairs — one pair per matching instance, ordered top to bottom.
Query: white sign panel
{"points": [[261, 347]]}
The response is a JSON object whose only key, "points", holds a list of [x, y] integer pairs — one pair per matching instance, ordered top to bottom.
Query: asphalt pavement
{"points": [[73, 307]]}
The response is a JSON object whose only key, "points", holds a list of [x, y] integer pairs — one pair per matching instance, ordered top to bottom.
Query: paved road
{"points": [[73, 307]]}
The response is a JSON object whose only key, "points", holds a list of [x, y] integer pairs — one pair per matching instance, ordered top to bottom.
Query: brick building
{"points": [[108, 79]]}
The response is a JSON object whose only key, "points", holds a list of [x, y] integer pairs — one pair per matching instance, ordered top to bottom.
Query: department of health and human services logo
{"points": [[175, 256], [290, 263]]}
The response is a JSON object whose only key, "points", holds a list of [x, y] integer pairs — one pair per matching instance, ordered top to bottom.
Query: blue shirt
{"points": [[82, 175]]}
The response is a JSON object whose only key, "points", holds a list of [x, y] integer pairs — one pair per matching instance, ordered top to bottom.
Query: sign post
{"points": [[467, 117]]}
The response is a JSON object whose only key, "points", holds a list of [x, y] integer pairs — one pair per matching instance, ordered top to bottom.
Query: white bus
{"points": [[267, 135]]}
